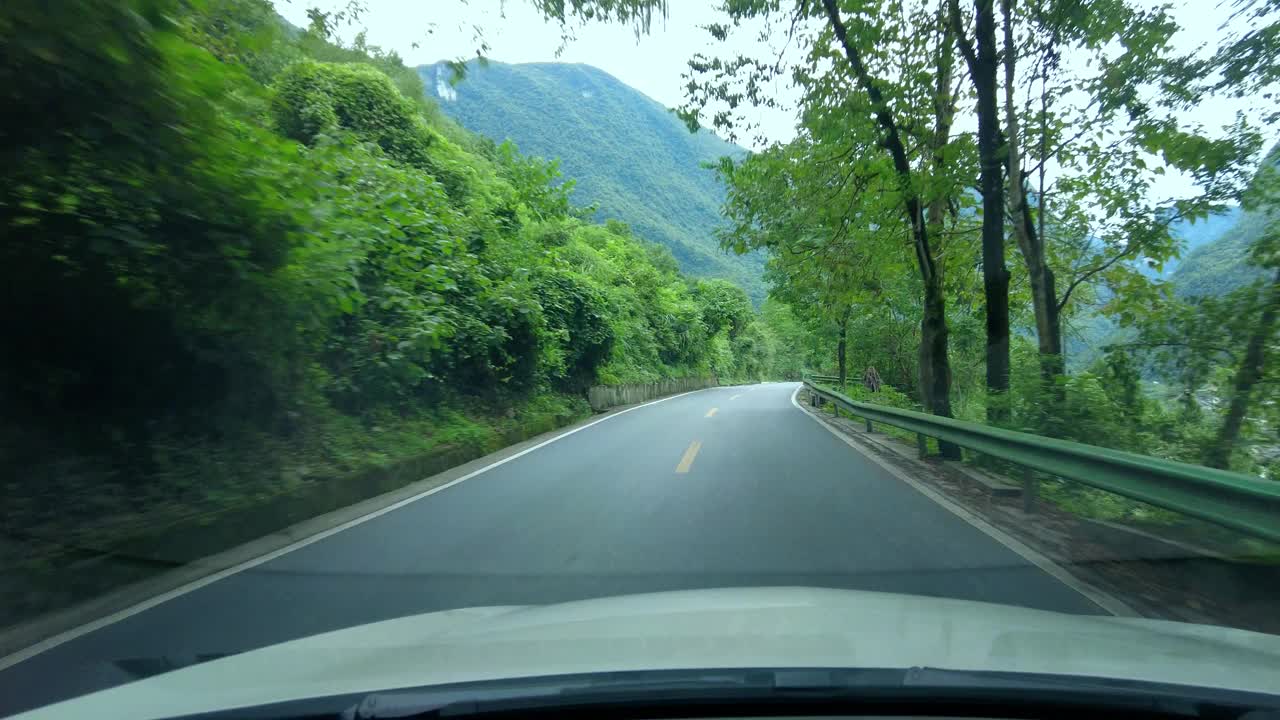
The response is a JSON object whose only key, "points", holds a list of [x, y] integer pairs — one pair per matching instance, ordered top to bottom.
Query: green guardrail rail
{"points": [[1242, 502]]}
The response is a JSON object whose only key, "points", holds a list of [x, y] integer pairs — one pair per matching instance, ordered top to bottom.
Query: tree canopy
{"points": [[962, 165]]}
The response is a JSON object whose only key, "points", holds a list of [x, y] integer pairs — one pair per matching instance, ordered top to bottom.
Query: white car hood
{"points": [[729, 628]]}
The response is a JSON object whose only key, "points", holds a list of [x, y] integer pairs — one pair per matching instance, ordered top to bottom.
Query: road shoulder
{"points": [[893, 460], [26, 640]]}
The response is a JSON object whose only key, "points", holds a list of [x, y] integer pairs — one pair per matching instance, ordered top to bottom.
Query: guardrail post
{"points": [[868, 424], [922, 444], [1030, 489]]}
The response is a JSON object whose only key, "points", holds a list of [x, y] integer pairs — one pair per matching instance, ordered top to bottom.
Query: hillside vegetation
{"points": [[628, 155], [1192, 235], [240, 258], [1223, 265], [1091, 330]]}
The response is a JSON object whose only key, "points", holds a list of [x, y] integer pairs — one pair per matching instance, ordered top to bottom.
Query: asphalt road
{"points": [[726, 487]]}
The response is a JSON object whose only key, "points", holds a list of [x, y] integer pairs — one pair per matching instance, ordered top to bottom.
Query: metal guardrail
{"points": [[1234, 500]]}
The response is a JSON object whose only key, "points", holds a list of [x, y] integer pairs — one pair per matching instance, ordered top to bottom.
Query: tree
{"points": [[983, 63], [1245, 65], [1100, 147], [1110, 149], [878, 154], [150, 206], [236, 262], [814, 266], [1259, 303], [725, 306], [1228, 340], [1252, 368]]}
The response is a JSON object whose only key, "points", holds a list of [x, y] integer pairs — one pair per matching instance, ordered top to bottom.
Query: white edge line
{"points": [[1097, 597], [68, 635]]}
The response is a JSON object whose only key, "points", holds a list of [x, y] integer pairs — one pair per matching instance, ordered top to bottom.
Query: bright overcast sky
{"points": [[516, 33], [653, 64]]}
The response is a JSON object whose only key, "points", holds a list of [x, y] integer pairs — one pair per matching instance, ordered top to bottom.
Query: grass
{"points": [[889, 397]]}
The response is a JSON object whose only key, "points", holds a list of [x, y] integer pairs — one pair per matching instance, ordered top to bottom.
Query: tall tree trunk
{"points": [[983, 64], [1044, 294], [934, 334], [842, 345], [935, 363], [935, 367], [1247, 375]]}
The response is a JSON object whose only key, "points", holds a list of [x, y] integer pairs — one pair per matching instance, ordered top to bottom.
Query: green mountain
{"points": [[626, 152], [1192, 237], [1210, 254], [1221, 266]]}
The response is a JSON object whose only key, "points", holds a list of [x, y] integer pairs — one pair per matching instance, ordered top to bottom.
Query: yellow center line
{"points": [[712, 411], [686, 462]]}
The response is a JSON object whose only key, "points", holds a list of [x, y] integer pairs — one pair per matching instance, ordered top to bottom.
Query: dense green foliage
{"points": [[628, 155], [1192, 235], [232, 245], [1205, 245], [237, 252], [957, 263], [1222, 265]]}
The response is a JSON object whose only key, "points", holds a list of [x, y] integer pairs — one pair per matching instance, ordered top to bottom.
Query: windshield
{"points": [[955, 319]]}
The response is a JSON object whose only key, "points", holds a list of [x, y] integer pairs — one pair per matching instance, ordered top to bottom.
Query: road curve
{"points": [[726, 487]]}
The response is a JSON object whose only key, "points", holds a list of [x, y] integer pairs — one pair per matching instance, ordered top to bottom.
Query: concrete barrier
{"points": [[603, 397]]}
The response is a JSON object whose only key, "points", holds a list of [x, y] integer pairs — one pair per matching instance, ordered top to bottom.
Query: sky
{"points": [[427, 31], [516, 33]]}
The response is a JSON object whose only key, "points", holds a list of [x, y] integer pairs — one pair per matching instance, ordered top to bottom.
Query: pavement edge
{"points": [[1105, 601], [26, 640]]}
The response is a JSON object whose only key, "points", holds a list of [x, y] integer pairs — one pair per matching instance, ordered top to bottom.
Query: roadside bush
{"points": [[312, 98], [144, 232], [236, 255], [577, 327]]}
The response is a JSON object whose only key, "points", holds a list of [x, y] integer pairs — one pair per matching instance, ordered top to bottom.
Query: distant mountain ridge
{"points": [[626, 152], [1192, 237], [1212, 261], [1223, 265], [1220, 266]]}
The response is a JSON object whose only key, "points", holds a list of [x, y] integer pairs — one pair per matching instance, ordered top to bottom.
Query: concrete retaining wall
{"points": [[603, 397]]}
